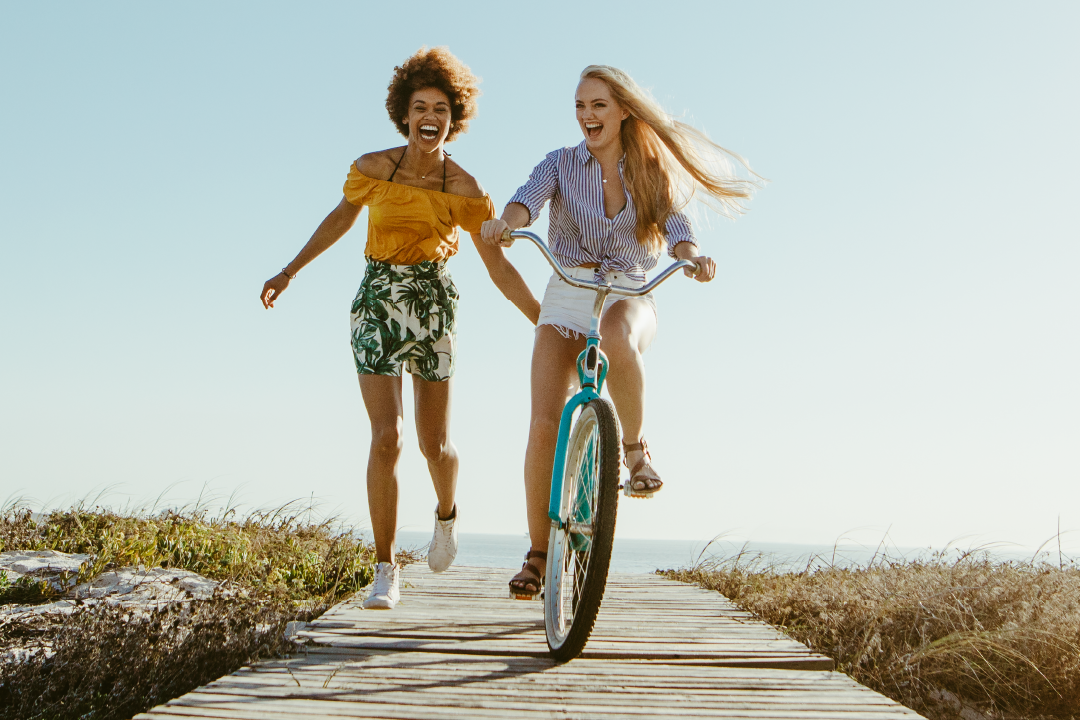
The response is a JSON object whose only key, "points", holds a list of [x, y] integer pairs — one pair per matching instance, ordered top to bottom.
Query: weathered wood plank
{"points": [[457, 647]]}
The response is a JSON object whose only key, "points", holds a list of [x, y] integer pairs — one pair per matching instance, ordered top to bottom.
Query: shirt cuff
{"points": [[676, 230]]}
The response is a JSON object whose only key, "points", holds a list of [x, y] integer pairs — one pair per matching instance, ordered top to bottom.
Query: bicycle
{"points": [[584, 482]]}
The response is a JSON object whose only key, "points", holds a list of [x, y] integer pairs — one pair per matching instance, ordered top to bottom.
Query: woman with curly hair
{"points": [[615, 206], [404, 312]]}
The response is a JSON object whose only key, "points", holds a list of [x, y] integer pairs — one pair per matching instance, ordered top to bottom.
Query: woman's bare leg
{"points": [[628, 328], [552, 377], [382, 398], [432, 408]]}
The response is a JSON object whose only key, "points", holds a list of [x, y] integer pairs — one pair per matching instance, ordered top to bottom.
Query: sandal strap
{"points": [[631, 447], [637, 468], [539, 554], [527, 568], [533, 577]]}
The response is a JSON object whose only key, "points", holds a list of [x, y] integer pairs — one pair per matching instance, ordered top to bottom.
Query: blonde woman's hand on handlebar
{"points": [[496, 233], [705, 271], [272, 289]]}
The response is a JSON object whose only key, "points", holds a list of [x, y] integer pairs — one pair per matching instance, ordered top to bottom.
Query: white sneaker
{"points": [[443, 548], [384, 591]]}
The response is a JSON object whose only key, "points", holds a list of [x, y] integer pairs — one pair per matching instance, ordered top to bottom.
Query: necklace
{"points": [[424, 177]]}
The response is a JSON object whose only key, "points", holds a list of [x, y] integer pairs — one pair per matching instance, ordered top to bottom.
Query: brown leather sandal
{"points": [[643, 482], [528, 583]]}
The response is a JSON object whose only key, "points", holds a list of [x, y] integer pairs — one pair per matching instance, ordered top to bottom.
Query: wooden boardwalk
{"points": [[456, 647]]}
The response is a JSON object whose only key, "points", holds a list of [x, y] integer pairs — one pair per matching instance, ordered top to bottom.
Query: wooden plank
{"points": [[697, 624], [457, 647], [637, 670], [585, 689], [335, 702], [203, 705]]}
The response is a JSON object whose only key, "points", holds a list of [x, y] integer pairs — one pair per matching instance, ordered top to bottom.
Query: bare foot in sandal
{"points": [[643, 482], [528, 583]]}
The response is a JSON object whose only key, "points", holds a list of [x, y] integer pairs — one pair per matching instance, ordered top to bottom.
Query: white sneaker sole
{"points": [[440, 568], [379, 603]]}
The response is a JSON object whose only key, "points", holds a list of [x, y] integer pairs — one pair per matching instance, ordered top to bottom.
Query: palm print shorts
{"points": [[405, 314]]}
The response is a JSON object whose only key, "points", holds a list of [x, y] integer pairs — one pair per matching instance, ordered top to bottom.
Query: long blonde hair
{"points": [[668, 161]]}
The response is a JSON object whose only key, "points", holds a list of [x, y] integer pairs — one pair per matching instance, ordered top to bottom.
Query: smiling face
{"points": [[598, 114], [428, 118]]}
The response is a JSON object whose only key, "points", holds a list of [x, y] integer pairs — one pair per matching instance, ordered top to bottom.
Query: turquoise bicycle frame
{"points": [[592, 367]]}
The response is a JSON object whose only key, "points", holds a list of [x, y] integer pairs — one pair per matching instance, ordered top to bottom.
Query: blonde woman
{"points": [[615, 207], [405, 311]]}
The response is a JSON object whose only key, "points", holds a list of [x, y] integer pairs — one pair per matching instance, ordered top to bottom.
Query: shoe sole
{"points": [[441, 569], [379, 606]]}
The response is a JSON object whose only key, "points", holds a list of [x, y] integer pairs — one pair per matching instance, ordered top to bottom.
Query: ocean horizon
{"points": [[635, 555]]}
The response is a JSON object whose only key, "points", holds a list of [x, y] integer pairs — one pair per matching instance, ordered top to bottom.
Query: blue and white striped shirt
{"points": [[579, 231]]}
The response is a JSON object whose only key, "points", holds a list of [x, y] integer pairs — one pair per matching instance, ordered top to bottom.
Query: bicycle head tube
{"points": [[592, 366]]}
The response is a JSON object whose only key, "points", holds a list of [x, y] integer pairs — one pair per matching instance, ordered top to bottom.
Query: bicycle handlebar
{"points": [[593, 285]]}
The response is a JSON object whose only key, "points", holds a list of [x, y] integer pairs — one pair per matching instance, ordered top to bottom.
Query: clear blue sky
{"points": [[892, 340]]}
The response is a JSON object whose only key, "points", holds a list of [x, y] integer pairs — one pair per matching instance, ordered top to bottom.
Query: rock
{"points": [[30, 562], [58, 568], [146, 585], [138, 588], [60, 607]]}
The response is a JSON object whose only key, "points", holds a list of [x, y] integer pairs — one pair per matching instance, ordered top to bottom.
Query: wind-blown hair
{"points": [[435, 68], [668, 161]]}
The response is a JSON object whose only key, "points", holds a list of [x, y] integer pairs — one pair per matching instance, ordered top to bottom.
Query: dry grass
{"points": [[273, 553], [1003, 637], [107, 662], [111, 664]]}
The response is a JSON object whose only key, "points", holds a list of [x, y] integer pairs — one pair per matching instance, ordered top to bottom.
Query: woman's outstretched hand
{"points": [[494, 232], [706, 268], [272, 289]]}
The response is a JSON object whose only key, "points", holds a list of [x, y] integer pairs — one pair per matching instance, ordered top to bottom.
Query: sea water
{"points": [[631, 555]]}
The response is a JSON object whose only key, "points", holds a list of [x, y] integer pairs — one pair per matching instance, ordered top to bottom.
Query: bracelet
{"points": [[286, 274]]}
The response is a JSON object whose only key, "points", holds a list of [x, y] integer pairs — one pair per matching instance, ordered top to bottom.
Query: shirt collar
{"points": [[582, 154]]}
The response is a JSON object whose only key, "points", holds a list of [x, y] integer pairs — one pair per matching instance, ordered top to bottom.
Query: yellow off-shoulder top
{"points": [[408, 225]]}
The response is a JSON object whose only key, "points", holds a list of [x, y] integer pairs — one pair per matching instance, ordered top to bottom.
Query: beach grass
{"points": [[950, 635], [104, 662]]}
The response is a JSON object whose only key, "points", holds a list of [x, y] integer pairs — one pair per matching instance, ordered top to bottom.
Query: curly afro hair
{"points": [[434, 68]]}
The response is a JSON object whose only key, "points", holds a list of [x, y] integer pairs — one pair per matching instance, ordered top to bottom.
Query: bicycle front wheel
{"points": [[579, 552]]}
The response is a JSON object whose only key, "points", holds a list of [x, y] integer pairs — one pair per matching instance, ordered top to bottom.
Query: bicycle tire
{"points": [[577, 564]]}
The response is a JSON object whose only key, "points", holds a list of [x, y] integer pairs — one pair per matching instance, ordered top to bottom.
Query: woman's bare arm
{"points": [[514, 216], [330, 230], [507, 278]]}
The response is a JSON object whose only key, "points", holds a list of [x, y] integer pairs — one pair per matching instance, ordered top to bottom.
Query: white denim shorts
{"points": [[569, 309]]}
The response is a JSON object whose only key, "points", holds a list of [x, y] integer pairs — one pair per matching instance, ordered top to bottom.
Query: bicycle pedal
{"points": [[628, 491], [516, 596]]}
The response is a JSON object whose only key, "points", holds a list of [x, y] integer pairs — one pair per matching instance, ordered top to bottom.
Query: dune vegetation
{"points": [[951, 635], [104, 661]]}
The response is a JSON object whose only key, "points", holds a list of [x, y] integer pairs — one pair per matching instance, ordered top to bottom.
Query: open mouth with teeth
{"points": [[593, 130], [429, 131]]}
